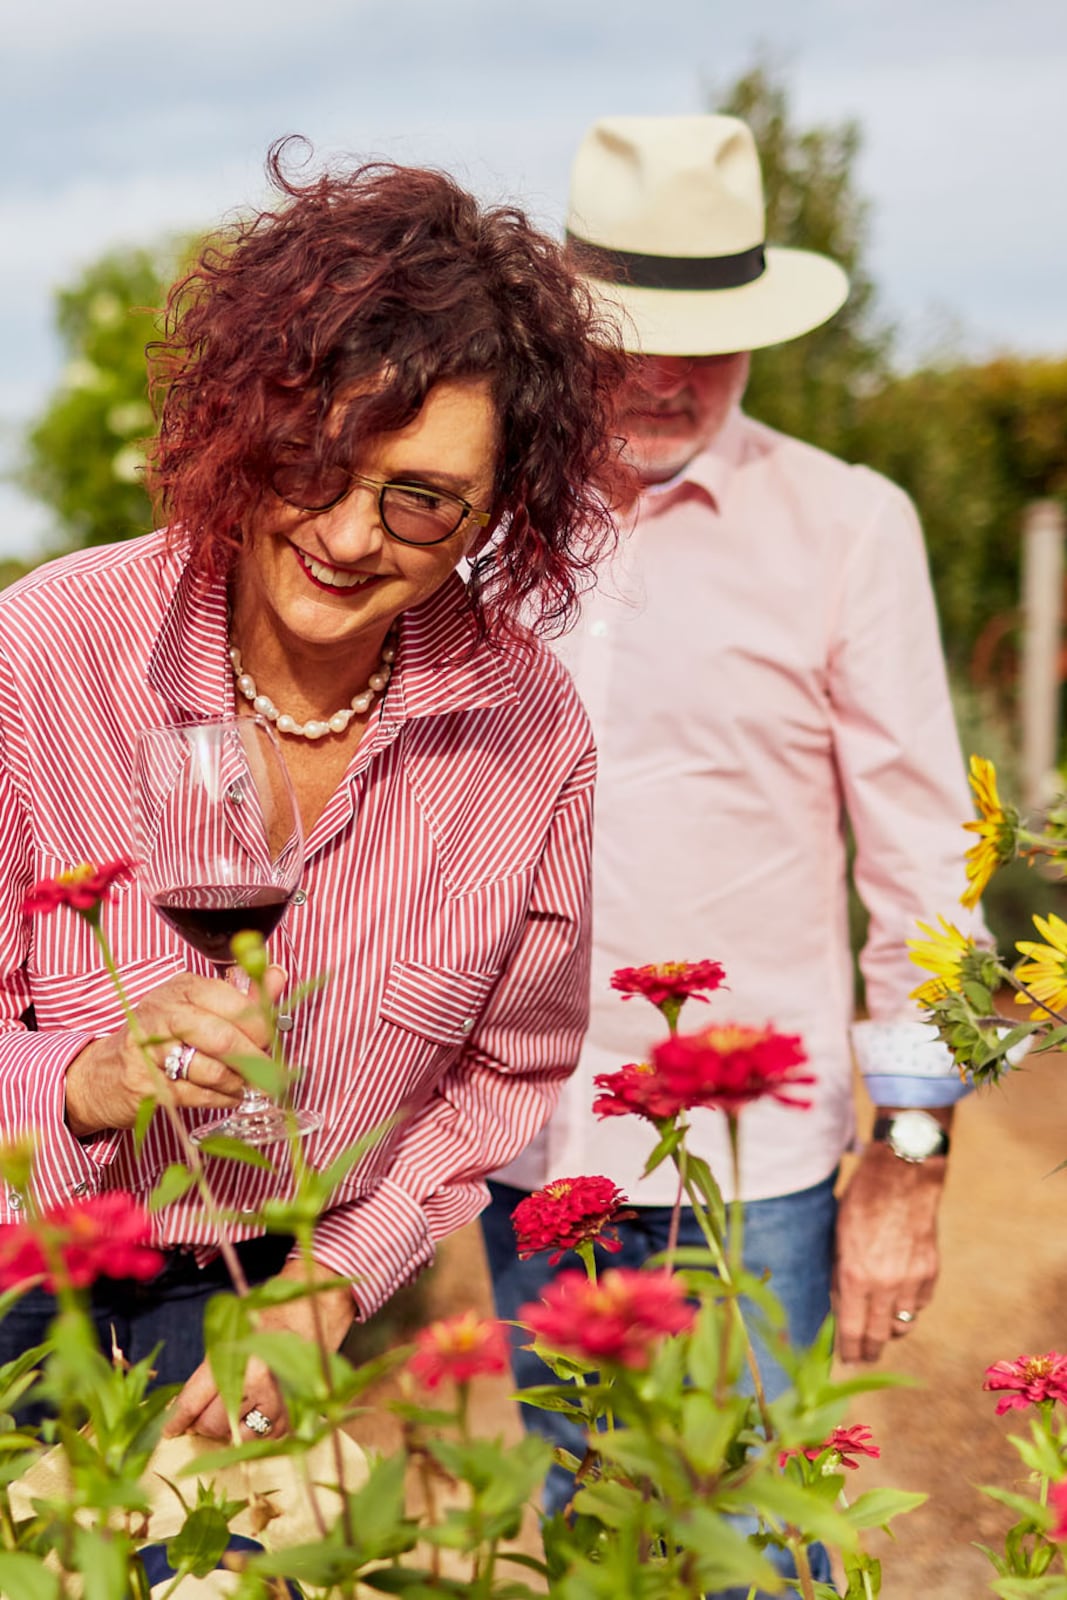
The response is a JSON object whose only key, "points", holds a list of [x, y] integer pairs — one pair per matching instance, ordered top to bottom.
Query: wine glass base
{"points": [[258, 1125]]}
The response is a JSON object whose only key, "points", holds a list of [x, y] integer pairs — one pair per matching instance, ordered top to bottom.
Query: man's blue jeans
{"points": [[791, 1237]]}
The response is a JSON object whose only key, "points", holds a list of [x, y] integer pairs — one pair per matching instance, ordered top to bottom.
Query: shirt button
{"points": [[599, 628], [235, 794], [299, 897], [284, 1022], [467, 1025], [80, 1188], [15, 1202]]}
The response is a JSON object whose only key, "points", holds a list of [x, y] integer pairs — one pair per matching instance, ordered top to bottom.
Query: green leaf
{"points": [[270, 1077], [143, 1121], [666, 1146], [227, 1149], [176, 1181], [226, 1323], [1039, 1452], [878, 1507], [1023, 1507], [200, 1542], [103, 1561], [23, 1577], [1030, 1588]]}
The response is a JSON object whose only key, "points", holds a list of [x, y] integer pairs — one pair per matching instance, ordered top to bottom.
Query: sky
{"points": [[125, 122]]}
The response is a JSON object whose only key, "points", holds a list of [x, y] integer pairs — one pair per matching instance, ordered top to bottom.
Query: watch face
{"points": [[914, 1135]]}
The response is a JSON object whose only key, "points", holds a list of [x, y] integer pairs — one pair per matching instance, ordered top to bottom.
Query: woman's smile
{"points": [[324, 576]]}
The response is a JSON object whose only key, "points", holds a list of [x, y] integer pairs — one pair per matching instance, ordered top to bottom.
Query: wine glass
{"points": [[220, 849]]}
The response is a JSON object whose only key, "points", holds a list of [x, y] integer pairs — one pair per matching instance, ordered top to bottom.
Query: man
{"points": [[761, 657]]}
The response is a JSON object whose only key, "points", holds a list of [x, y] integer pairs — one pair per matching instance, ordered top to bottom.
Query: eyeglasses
{"points": [[409, 512]]}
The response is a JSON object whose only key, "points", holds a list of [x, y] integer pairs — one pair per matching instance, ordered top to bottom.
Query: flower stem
{"points": [[1023, 989]]}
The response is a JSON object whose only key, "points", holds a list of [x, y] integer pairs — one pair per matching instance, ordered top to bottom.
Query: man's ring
{"points": [[176, 1061], [904, 1316], [257, 1422]]}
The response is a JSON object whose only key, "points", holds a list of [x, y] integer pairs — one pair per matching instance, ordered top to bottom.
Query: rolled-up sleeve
{"points": [[903, 784], [502, 1088]]}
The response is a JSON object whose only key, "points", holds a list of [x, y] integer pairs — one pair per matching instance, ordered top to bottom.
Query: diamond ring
{"points": [[176, 1061], [904, 1316], [257, 1422]]}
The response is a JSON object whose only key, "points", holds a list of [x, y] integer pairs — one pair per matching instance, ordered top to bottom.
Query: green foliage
{"points": [[812, 387], [972, 444], [84, 453]]}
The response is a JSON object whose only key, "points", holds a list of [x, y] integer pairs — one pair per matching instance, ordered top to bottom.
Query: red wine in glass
{"points": [[220, 851], [208, 917]]}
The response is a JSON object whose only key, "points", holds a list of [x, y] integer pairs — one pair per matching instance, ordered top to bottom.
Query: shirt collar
{"points": [[708, 473], [441, 663], [189, 664]]}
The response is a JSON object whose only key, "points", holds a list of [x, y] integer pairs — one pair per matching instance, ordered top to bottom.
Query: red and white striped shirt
{"points": [[445, 895]]}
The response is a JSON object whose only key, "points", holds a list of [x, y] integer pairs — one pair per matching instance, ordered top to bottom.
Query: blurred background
{"points": [[918, 142]]}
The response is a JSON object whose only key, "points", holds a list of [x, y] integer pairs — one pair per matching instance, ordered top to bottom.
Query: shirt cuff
{"points": [[907, 1064], [381, 1243]]}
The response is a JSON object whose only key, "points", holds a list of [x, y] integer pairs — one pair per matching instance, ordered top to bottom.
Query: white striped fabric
{"points": [[445, 894]]}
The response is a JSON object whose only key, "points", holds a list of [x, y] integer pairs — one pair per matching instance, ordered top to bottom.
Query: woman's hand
{"points": [[107, 1082], [328, 1316]]}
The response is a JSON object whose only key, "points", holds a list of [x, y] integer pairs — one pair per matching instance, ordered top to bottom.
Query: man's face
{"points": [[673, 406]]}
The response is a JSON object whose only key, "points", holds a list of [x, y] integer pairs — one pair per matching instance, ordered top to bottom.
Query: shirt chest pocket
{"points": [[87, 1002], [440, 1005]]}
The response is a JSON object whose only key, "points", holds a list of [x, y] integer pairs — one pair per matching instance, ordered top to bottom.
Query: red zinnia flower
{"points": [[83, 889], [671, 981], [722, 1068], [566, 1213], [107, 1236], [616, 1320], [460, 1348], [1032, 1378], [846, 1442], [1057, 1496]]}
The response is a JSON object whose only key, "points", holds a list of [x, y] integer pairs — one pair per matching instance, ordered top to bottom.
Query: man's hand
{"points": [[886, 1258], [329, 1315]]}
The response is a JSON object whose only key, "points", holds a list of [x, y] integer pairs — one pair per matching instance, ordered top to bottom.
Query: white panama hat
{"points": [[666, 224]]}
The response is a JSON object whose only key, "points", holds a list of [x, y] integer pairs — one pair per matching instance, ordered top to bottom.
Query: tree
{"points": [[813, 387], [972, 443], [84, 453]]}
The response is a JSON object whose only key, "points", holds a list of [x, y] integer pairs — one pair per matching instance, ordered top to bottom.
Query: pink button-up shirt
{"points": [[761, 658], [445, 895]]}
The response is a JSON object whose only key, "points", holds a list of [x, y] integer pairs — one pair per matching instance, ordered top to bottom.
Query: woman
{"points": [[361, 389]]}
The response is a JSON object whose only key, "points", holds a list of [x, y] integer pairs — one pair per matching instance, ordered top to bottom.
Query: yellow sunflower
{"points": [[996, 829], [943, 954], [1045, 970]]}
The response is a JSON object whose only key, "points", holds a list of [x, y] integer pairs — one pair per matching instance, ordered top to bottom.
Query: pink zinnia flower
{"points": [[83, 889], [672, 982], [722, 1068], [566, 1213], [107, 1236], [615, 1321], [461, 1348], [1032, 1380], [847, 1443], [1057, 1499]]}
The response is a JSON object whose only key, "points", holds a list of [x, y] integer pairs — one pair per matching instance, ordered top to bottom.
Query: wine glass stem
{"points": [[252, 1100]]}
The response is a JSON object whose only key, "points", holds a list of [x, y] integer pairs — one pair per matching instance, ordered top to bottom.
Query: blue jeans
{"points": [[790, 1237], [167, 1311]]}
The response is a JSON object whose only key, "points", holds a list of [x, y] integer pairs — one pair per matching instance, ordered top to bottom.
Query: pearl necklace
{"points": [[284, 723]]}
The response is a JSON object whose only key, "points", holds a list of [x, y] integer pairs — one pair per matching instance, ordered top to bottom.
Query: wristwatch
{"points": [[912, 1135]]}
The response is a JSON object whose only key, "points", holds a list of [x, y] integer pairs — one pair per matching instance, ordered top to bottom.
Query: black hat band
{"points": [[639, 271]]}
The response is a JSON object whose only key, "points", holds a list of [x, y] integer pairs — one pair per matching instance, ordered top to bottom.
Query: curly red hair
{"points": [[398, 276]]}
